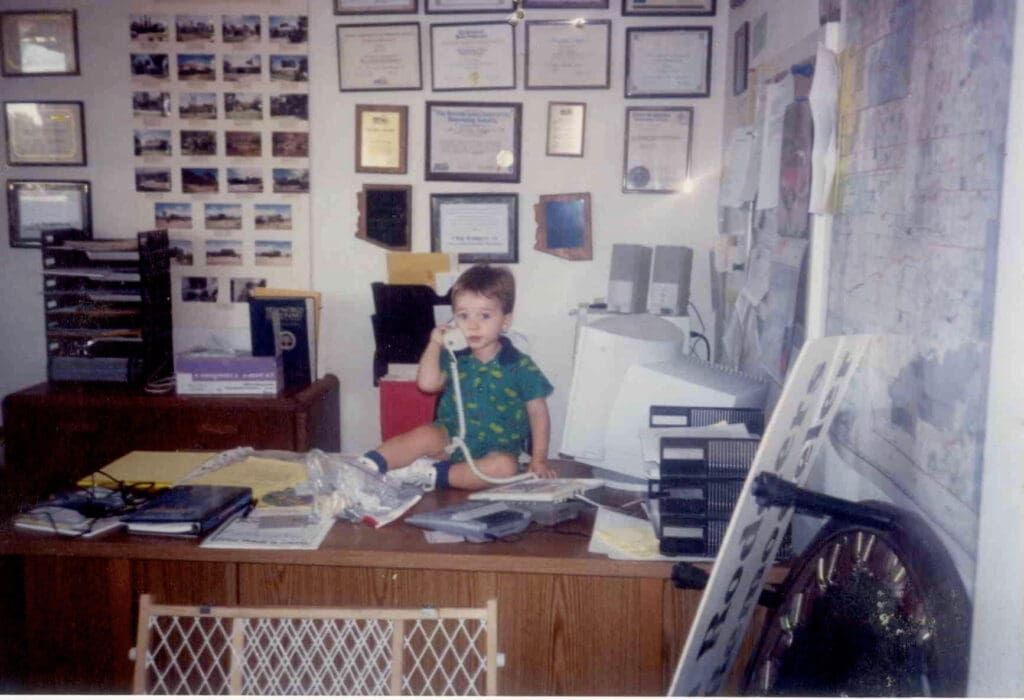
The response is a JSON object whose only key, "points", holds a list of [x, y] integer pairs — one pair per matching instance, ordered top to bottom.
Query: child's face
{"points": [[482, 321]]}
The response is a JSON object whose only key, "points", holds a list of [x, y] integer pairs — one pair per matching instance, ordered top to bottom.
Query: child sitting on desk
{"points": [[503, 391]]}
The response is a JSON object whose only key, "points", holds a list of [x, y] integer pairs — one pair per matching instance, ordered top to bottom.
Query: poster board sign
{"points": [[798, 429]]}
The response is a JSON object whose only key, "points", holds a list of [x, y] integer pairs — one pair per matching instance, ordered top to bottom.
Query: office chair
{"points": [[873, 607], [190, 650]]}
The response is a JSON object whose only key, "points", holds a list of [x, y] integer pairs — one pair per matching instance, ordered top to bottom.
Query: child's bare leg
{"points": [[424, 441], [497, 464]]}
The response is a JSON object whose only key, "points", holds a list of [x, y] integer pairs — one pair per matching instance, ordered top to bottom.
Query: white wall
{"points": [[343, 267], [549, 288]]}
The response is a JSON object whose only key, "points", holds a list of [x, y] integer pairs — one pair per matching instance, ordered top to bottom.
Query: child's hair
{"points": [[491, 282]]}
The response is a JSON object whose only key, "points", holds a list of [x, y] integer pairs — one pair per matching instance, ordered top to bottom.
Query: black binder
{"points": [[190, 510]]}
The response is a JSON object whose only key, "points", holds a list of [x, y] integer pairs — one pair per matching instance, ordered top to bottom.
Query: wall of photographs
{"points": [[220, 148]]}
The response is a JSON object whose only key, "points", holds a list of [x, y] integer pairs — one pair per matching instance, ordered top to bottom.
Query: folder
{"points": [[191, 510]]}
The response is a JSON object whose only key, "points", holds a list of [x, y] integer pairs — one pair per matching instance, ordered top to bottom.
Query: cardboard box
{"points": [[222, 373]]}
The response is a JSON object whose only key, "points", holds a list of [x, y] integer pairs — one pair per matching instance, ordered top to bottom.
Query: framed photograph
{"points": [[474, 6], [376, 7], [692, 8], [149, 28], [39, 43], [568, 54], [473, 56], [379, 57], [740, 58], [668, 61], [154, 66], [566, 122], [45, 133], [381, 139], [474, 141], [657, 157], [36, 205], [384, 216], [563, 226], [480, 228]]}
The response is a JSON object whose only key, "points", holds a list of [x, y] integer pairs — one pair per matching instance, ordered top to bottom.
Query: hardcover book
{"points": [[286, 326], [189, 510]]}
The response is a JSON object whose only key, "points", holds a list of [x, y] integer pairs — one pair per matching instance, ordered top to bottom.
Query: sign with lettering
{"points": [[795, 434]]}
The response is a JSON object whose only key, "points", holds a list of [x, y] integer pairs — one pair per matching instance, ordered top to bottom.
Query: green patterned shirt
{"points": [[494, 395]]}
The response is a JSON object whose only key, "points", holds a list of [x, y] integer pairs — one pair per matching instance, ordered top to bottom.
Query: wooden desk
{"points": [[58, 432], [571, 623]]}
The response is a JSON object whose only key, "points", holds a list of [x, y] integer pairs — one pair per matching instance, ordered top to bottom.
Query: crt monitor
{"points": [[625, 364]]}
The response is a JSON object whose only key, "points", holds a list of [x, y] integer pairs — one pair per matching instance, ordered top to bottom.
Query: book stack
{"points": [[285, 322], [190, 510]]}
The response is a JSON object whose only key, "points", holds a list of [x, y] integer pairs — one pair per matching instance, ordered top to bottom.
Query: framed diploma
{"points": [[475, 6], [376, 7], [693, 8], [38, 43], [568, 54], [473, 56], [379, 57], [668, 62], [566, 121], [45, 133], [381, 137], [473, 141], [657, 157], [36, 205], [384, 216], [563, 226], [480, 228]]}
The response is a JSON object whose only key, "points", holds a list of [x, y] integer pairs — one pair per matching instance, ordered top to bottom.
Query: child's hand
{"points": [[437, 336], [542, 469]]}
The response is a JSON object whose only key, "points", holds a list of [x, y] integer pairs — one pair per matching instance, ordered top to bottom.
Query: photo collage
{"points": [[220, 107]]}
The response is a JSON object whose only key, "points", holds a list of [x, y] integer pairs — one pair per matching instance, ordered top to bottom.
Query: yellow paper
{"points": [[416, 268], [142, 466]]}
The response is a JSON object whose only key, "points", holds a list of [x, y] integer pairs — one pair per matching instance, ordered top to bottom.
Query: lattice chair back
{"points": [[190, 650]]}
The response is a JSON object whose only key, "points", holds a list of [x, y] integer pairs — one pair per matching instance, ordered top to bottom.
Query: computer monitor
{"points": [[623, 366]]}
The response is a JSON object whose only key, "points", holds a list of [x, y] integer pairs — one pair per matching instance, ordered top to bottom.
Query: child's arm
{"points": [[429, 377], [540, 436]]}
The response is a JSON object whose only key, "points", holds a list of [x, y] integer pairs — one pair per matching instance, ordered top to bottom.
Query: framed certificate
{"points": [[565, 4], [474, 6], [376, 7], [693, 8], [38, 43], [568, 54], [473, 56], [379, 57], [668, 62], [566, 121], [45, 133], [381, 137], [473, 141], [657, 157], [36, 205], [563, 226], [480, 228]]}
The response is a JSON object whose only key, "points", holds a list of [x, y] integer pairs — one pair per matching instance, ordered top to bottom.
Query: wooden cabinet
{"points": [[58, 432]]}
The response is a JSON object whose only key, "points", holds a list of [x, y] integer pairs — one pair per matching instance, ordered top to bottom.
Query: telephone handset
{"points": [[454, 340]]}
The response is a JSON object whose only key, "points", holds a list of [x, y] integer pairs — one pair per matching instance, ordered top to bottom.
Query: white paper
{"points": [[567, 54], [379, 57], [667, 62], [778, 96], [824, 101], [739, 181], [474, 228]]}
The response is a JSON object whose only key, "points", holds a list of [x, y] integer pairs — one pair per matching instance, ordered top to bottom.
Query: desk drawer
{"points": [[219, 429]]}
